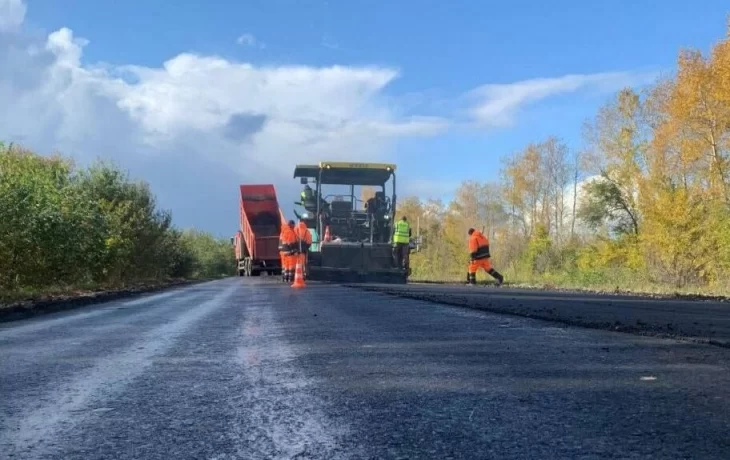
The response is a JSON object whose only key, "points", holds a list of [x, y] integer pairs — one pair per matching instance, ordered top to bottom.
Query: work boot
{"points": [[497, 276], [471, 279]]}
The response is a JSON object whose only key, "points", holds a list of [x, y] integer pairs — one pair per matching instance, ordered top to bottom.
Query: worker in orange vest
{"points": [[305, 242], [288, 249], [479, 255]]}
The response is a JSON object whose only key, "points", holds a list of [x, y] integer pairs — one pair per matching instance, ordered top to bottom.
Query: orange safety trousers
{"points": [[288, 262], [475, 265]]}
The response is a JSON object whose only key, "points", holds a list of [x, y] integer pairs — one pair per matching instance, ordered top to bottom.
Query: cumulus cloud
{"points": [[12, 15], [249, 40], [500, 103], [196, 126]]}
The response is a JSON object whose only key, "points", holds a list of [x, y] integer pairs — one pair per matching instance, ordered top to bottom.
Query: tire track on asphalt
{"points": [[34, 325], [43, 365], [279, 414], [33, 434]]}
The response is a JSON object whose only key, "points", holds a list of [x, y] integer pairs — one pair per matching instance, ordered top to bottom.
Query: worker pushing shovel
{"points": [[479, 255]]}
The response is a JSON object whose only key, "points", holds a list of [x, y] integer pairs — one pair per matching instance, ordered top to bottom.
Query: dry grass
{"points": [[636, 286]]}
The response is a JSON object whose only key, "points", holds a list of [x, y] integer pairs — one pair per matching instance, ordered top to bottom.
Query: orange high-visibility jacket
{"points": [[303, 233], [288, 243], [478, 246]]}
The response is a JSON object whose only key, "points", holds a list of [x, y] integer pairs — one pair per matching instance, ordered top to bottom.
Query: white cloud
{"points": [[12, 14], [249, 40], [66, 48], [500, 103], [197, 126]]}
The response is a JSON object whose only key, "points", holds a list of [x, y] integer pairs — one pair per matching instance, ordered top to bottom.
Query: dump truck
{"points": [[353, 236], [256, 243]]}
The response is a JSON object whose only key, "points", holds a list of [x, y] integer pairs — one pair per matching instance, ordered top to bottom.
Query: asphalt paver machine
{"points": [[351, 231]]}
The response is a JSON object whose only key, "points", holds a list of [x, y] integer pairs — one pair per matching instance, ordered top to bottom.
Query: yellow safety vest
{"points": [[401, 232]]}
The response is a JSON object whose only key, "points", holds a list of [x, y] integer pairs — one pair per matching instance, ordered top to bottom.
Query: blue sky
{"points": [[401, 60]]}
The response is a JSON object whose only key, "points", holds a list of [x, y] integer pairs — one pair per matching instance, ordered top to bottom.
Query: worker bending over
{"points": [[304, 236], [401, 243], [288, 249], [479, 254]]}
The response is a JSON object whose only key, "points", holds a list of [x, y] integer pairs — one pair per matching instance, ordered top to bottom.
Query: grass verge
{"points": [[636, 287]]}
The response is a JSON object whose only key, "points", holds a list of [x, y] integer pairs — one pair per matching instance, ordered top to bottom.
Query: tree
{"points": [[696, 128], [617, 153], [558, 171], [65, 226]]}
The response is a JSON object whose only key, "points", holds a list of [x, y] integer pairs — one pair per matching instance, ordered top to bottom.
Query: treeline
{"points": [[644, 203], [66, 227]]}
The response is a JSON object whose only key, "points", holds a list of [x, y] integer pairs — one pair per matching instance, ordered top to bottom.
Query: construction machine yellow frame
{"points": [[360, 232]]}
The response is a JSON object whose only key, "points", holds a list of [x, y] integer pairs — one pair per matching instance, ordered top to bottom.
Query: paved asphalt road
{"points": [[703, 321], [245, 368]]}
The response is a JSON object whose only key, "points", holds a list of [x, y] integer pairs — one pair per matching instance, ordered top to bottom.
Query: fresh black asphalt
{"points": [[700, 320], [251, 369]]}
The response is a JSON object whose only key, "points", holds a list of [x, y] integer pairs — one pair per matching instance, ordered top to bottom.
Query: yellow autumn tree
{"points": [[654, 189], [686, 197]]}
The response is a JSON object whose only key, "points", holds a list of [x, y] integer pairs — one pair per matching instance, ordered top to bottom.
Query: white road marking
{"points": [[33, 325], [280, 415], [33, 433]]}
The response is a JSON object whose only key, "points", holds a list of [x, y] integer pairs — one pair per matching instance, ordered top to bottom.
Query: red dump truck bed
{"points": [[257, 241]]}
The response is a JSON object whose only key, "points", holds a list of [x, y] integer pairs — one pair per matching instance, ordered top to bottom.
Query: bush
{"points": [[65, 226]]}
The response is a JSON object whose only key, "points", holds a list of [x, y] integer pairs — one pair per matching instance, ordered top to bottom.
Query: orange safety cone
{"points": [[327, 235], [298, 276]]}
